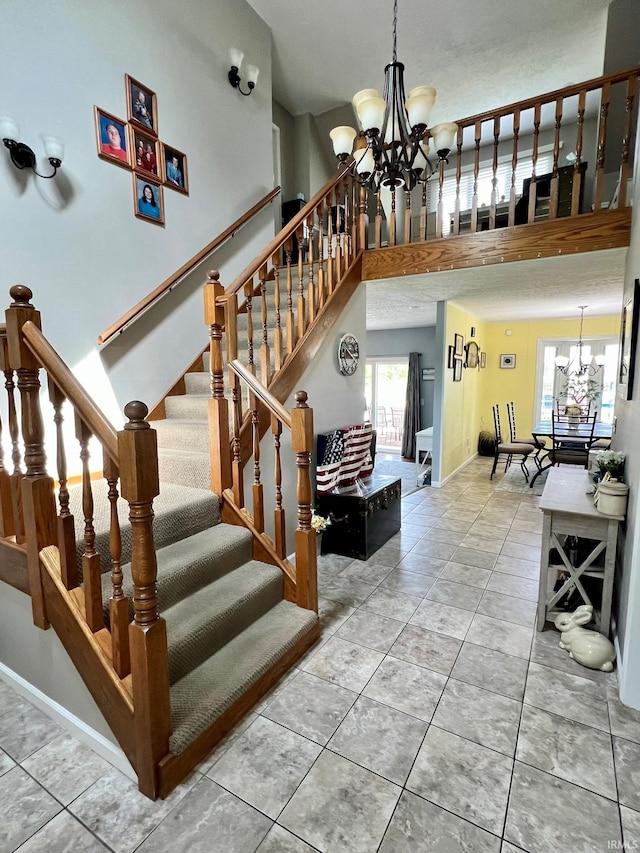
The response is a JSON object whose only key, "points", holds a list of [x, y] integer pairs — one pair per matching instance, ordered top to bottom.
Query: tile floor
{"points": [[425, 719]]}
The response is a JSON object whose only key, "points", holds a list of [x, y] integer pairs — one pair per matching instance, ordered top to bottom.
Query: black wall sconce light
{"points": [[234, 77], [24, 157]]}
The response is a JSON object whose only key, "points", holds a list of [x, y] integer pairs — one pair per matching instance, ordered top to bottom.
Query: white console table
{"points": [[424, 444], [569, 511]]}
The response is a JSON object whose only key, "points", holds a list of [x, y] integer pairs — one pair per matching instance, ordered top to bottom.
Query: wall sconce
{"points": [[234, 78], [22, 156]]}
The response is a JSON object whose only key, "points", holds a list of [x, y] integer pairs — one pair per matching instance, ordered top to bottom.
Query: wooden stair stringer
{"points": [[111, 694]]}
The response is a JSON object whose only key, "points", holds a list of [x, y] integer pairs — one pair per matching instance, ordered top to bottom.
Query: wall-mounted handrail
{"points": [[169, 283]]}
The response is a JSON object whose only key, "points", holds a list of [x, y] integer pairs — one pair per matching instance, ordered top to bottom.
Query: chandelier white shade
{"points": [[395, 130], [583, 364]]}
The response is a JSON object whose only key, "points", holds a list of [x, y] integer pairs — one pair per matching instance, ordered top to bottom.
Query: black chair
{"points": [[538, 443], [571, 443], [508, 448]]}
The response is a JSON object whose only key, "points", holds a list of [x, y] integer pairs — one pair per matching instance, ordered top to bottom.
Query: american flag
{"points": [[346, 458]]}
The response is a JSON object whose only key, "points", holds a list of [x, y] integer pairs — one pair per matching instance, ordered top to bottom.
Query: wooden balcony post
{"points": [[363, 239], [218, 404], [138, 454], [16, 457], [37, 487], [305, 535]]}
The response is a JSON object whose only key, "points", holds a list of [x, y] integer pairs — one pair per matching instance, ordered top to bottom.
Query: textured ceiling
{"points": [[478, 54], [546, 287]]}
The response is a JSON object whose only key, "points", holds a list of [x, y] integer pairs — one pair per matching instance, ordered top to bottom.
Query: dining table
{"points": [[580, 434]]}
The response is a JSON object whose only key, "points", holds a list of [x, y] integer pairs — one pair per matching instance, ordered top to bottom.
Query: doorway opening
{"points": [[385, 392]]}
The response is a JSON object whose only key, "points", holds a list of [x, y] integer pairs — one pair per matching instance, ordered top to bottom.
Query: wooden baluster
{"points": [[626, 141], [602, 142], [514, 166], [476, 169], [577, 173], [494, 177], [533, 186], [553, 192], [440, 209], [456, 211], [423, 212], [407, 215], [352, 219], [392, 219], [378, 222], [339, 236], [363, 239], [331, 277], [248, 292], [301, 301], [312, 303], [230, 315], [290, 320], [265, 350], [278, 356], [218, 406], [138, 454], [8, 494], [258, 495], [38, 502], [279, 512], [65, 522], [305, 535], [91, 574], [118, 603]]}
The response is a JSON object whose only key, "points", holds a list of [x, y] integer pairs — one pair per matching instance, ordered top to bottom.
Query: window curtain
{"points": [[412, 407]]}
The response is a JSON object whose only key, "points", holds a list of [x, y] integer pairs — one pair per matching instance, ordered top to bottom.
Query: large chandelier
{"points": [[392, 150], [583, 364]]}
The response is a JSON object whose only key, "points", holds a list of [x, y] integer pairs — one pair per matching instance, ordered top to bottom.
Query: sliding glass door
{"points": [[385, 393]]}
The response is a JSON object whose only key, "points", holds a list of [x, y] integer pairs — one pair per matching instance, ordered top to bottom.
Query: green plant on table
{"points": [[611, 462]]}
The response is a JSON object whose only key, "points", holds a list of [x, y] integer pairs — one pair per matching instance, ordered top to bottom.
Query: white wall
{"points": [[74, 240], [626, 440]]}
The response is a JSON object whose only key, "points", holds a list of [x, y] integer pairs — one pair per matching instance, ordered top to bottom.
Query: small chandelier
{"points": [[391, 150], [583, 365]]}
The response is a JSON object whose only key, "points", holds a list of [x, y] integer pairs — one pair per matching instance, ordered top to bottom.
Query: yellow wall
{"points": [[467, 404]]}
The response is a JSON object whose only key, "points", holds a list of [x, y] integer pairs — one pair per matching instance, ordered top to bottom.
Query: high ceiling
{"points": [[478, 54]]}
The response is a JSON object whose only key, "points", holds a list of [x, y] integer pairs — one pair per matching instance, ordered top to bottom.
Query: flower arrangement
{"points": [[611, 462], [319, 523]]}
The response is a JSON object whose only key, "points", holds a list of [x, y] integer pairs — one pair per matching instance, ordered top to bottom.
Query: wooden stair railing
{"points": [[498, 134], [170, 283], [301, 583], [125, 665]]}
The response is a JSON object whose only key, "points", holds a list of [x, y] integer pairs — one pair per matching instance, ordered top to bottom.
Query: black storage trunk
{"points": [[363, 516]]}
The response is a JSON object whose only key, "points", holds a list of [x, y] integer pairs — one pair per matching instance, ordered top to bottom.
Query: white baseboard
{"points": [[439, 483], [68, 721]]}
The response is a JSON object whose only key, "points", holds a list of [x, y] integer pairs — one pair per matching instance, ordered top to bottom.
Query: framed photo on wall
{"points": [[141, 106], [111, 138], [145, 152], [174, 170], [147, 199], [629, 343], [459, 345], [473, 354], [452, 357], [483, 359], [507, 361], [457, 370]]}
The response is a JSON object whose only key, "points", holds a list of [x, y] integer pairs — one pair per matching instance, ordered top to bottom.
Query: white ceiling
{"points": [[478, 54]]}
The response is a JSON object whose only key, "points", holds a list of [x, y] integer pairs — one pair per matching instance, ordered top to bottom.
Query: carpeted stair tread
{"points": [[187, 406], [183, 434], [186, 467], [178, 510], [191, 563], [198, 626], [198, 699]]}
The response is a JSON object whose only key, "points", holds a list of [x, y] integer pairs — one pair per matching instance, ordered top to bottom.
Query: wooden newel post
{"points": [[218, 404], [138, 455], [37, 487], [305, 535]]}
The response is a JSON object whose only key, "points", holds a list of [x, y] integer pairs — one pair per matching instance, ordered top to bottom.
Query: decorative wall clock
{"points": [[348, 354]]}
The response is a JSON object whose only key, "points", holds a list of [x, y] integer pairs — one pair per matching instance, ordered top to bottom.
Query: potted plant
{"points": [[578, 391], [610, 462], [319, 523]]}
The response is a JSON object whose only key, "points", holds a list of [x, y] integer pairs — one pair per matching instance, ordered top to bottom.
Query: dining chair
{"points": [[397, 422], [539, 444], [571, 445], [508, 448]]}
